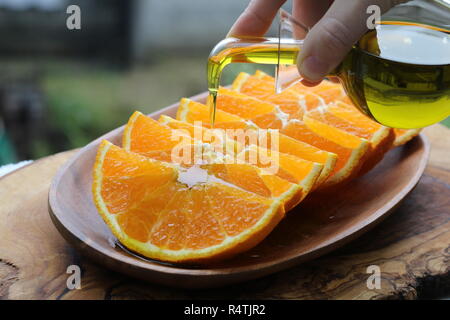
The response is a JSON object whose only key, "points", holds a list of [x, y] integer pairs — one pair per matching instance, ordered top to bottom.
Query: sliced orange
{"points": [[259, 87], [329, 91], [334, 93], [325, 103], [337, 103], [242, 105], [195, 113], [262, 114], [321, 124], [154, 135], [402, 136], [217, 138], [381, 138], [155, 140], [287, 144], [182, 149], [352, 151], [350, 154], [291, 168], [297, 171], [256, 180], [289, 186], [231, 192], [168, 213]]}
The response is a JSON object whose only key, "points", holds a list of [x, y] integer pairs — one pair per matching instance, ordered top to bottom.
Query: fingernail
{"points": [[313, 69], [308, 83]]}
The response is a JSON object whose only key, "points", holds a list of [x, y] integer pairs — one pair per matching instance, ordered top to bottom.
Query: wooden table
{"points": [[411, 247]]}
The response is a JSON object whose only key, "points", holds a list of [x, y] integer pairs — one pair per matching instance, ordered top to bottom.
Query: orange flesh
{"points": [[152, 206]]}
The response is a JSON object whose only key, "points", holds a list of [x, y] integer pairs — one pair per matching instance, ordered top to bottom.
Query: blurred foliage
{"points": [[85, 101], [83, 105], [7, 154]]}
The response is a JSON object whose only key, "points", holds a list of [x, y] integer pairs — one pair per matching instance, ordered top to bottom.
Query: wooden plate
{"points": [[310, 230]]}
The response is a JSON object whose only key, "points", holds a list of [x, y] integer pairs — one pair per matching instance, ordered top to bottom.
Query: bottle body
{"points": [[400, 93]]}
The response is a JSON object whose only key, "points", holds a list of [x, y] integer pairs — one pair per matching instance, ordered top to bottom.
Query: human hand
{"points": [[335, 26]]}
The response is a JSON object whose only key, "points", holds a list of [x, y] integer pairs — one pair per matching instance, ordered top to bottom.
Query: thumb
{"points": [[332, 37]]}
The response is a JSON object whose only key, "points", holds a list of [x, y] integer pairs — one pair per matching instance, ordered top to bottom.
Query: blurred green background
{"points": [[60, 88], [85, 102]]}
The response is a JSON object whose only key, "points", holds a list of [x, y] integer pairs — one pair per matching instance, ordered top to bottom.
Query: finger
{"points": [[309, 12], [256, 19], [333, 36], [307, 83]]}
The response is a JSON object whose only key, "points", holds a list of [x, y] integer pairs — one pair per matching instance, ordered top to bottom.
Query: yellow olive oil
{"points": [[261, 51], [399, 75]]}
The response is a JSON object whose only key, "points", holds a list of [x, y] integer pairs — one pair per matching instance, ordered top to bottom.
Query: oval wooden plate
{"points": [[310, 230]]}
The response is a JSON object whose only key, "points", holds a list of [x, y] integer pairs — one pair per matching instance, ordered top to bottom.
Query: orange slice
{"points": [[259, 87], [329, 91], [332, 92], [324, 103], [242, 105], [191, 111], [195, 113], [263, 114], [345, 116], [403, 136], [217, 137], [381, 138], [155, 140], [351, 150], [350, 155], [300, 172], [256, 180], [289, 186], [165, 212]]}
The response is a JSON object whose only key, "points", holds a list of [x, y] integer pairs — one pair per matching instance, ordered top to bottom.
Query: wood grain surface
{"points": [[411, 247]]}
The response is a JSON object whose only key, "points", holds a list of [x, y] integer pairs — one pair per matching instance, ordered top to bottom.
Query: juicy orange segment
{"points": [[259, 87], [329, 91], [325, 104], [242, 105], [189, 111], [338, 111], [194, 112], [263, 114], [316, 121], [312, 126], [153, 136], [402, 136], [216, 138], [381, 138], [287, 145], [349, 160], [300, 172], [252, 178], [255, 180], [152, 211]]}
